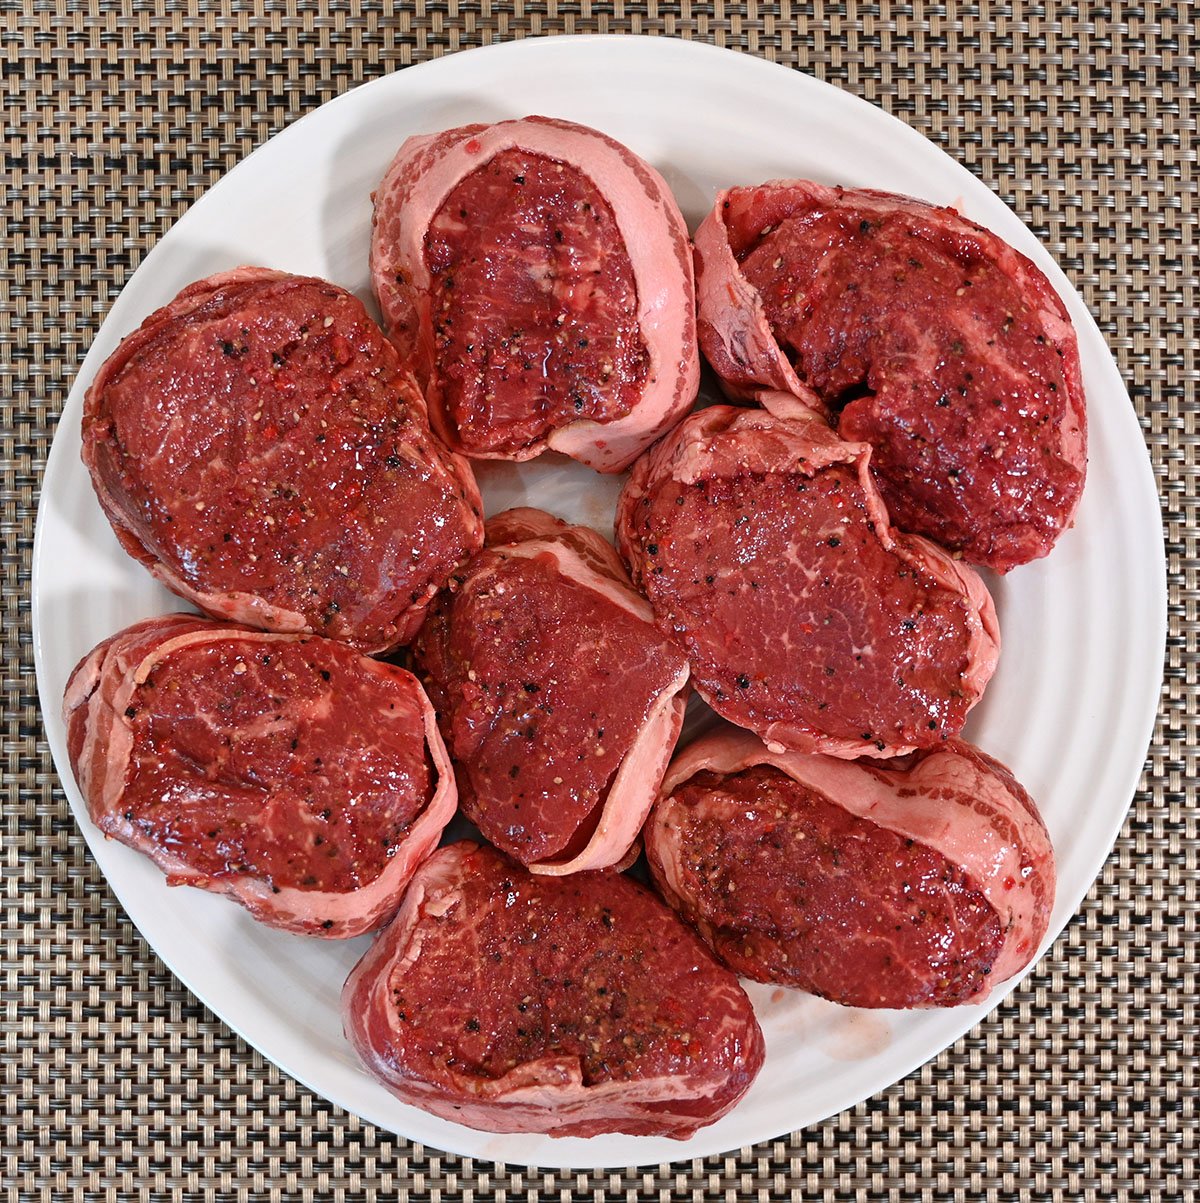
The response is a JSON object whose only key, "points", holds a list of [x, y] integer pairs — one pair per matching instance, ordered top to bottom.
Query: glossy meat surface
{"points": [[534, 302], [256, 445], [559, 699]]}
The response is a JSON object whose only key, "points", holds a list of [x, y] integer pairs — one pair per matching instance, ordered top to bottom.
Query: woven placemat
{"points": [[118, 115]]}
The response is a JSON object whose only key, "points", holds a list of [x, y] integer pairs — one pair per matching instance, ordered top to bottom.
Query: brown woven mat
{"points": [[118, 115]]}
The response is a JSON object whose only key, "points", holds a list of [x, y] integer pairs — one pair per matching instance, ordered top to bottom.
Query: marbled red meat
{"points": [[491, 240], [537, 275], [913, 330], [257, 447], [766, 553], [558, 698], [302, 779], [923, 882], [569, 1005]]}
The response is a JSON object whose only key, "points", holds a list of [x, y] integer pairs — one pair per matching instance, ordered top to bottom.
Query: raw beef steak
{"points": [[538, 276], [913, 330], [256, 446], [766, 553], [558, 698], [289, 772], [905, 884], [569, 1005]]}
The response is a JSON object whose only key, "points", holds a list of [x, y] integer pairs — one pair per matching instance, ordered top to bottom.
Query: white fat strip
{"points": [[734, 310], [572, 566], [634, 786]]}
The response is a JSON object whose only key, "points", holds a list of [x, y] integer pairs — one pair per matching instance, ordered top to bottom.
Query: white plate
{"points": [[1070, 709]]}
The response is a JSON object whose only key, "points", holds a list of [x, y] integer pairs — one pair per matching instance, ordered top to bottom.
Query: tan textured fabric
{"points": [[118, 115]]}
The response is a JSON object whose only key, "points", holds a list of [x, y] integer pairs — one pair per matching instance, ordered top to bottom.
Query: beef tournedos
{"points": [[538, 276], [918, 332], [257, 447], [270, 455], [767, 555], [558, 698], [293, 774], [923, 882], [569, 1005]]}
